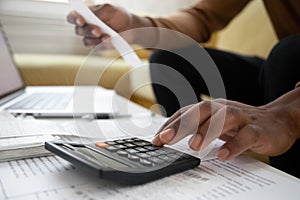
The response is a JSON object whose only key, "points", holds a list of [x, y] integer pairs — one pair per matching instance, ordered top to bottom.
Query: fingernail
{"points": [[79, 22], [96, 32], [167, 135], [155, 140], [195, 141], [223, 154]]}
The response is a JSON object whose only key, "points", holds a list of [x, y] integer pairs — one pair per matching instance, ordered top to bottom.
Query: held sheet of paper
{"points": [[53, 178]]}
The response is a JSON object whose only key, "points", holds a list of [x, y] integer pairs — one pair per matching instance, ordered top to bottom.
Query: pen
{"points": [[89, 116], [105, 116]]}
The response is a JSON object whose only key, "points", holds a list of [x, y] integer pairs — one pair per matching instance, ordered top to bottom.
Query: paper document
{"points": [[117, 41], [21, 128], [209, 152], [53, 178]]}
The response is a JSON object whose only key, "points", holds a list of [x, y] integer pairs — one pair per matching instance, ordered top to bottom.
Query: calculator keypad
{"points": [[140, 151]]}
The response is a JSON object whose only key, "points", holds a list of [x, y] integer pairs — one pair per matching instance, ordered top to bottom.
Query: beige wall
{"points": [[250, 33]]}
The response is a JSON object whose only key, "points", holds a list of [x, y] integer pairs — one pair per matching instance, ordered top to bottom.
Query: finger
{"points": [[104, 12], [74, 18], [88, 31], [89, 41], [174, 117], [228, 118], [189, 121], [209, 130], [166, 135], [227, 136], [241, 142]]}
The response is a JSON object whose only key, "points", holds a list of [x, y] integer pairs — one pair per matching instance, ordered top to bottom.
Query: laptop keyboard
{"points": [[43, 101]]}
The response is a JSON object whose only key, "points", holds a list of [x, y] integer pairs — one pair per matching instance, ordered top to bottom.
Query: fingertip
{"points": [[79, 21], [96, 32], [167, 135], [164, 137], [156, 141], [195, 141], [224, 154]]}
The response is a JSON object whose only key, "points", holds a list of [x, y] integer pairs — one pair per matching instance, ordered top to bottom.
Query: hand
{"points": [[115, 17], [269, 130]]}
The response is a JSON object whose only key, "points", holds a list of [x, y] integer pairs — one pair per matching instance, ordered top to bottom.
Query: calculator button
{"points": [[129, 140], [120, 141], [110, 142], [141, 143], [101, 145], [129, 145], [120, 146], [111, 148], [152, 148], [141, 149], [132, 151], [161, 151], [122, 153], [152, 153], [143, 155], [133, 157], [166, 158], [156, 160], [146, 162]]}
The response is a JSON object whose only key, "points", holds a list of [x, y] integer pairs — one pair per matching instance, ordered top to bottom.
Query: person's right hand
{"points": [[116, 17]]}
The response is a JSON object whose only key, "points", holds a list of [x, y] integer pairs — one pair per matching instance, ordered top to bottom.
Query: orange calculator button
{"points": [[101, 145]]}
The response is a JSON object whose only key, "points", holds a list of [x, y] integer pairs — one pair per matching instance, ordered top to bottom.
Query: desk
{"points": [[53, 178]]}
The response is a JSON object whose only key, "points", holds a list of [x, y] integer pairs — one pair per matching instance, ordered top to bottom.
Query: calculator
{"points": [[127, 161]]}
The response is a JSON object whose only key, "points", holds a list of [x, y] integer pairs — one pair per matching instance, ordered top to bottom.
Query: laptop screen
{"points": [[10, 78]]}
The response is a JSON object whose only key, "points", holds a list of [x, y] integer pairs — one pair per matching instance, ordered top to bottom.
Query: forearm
{"points": [[203, 18], [141, 22], [197, 22], [142, 29]]}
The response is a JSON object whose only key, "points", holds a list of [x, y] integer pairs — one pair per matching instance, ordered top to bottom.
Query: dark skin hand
{"points": [[115, 17], [268, 130]]}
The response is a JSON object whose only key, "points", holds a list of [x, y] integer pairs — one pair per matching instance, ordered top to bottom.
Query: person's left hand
{"points": [[264, 130]]}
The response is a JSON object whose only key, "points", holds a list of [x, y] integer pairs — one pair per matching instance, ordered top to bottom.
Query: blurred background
{"points": [[40, 26], [48, 52]]}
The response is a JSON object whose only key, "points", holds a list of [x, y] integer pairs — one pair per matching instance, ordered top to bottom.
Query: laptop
{"points": [[16, 97]]}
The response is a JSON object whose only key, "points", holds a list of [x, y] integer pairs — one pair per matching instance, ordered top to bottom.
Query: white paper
{"points": [[118, 42], [4, 115], [21, 128], [29, 133], [23, 142], [209, 152], [53, 178]]}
